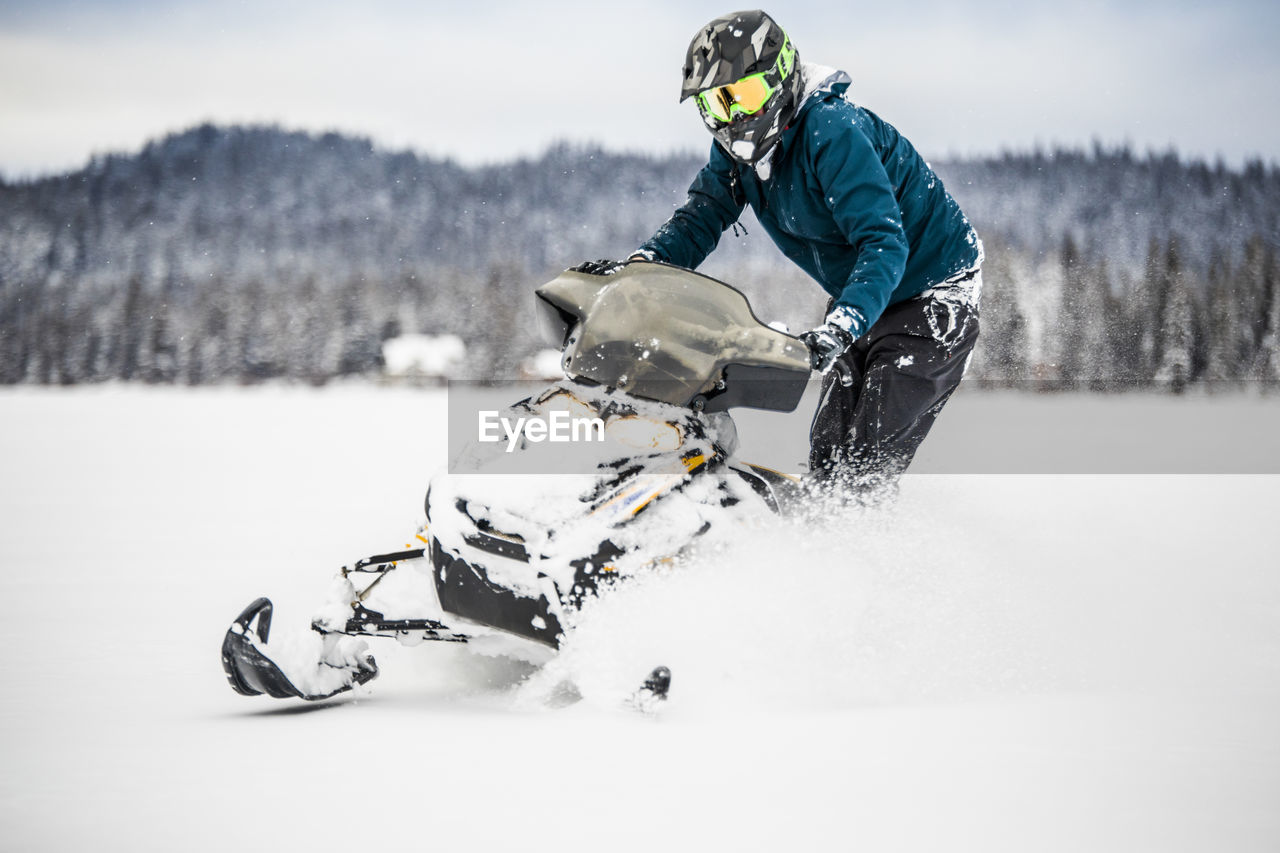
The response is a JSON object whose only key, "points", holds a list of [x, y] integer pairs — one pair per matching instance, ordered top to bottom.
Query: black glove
{"points": [[604, 266], [826, 344]]}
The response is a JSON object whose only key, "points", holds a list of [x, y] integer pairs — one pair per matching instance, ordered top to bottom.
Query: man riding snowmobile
{"points": [[847, 197], [652, 346]]}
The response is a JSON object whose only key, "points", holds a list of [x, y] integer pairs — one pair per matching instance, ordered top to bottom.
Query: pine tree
{"points": [[1146, 310], [1074, 315], [1105, 326], [1175, 327], [1224, 329], [1266, 362]]}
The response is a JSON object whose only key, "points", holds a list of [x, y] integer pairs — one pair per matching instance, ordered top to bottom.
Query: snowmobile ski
{"points": [[252, 673]]}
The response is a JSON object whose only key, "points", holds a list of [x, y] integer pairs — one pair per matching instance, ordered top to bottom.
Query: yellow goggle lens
{"points": [[747, 96]]}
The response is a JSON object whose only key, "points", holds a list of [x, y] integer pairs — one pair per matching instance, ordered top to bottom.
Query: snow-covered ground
{"points": [[1008, 663]]}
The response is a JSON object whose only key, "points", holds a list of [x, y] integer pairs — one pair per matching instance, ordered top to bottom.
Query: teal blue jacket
{"points": [[848, 199]]}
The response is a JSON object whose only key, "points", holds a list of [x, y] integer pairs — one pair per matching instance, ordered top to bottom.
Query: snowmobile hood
{"points": [[664, 333]]}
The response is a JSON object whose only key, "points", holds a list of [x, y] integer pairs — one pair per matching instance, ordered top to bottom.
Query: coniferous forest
{"points": [[246, 254]]}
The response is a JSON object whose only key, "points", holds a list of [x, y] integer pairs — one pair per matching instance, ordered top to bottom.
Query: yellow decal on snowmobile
{"points": [[691, 463], [673, 480], [640, 493]]}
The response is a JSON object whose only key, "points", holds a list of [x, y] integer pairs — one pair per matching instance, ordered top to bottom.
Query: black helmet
{"points": [[744, 72]]}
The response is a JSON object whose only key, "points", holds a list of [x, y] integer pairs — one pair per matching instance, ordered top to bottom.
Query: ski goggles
{"points": [[748, 95]]}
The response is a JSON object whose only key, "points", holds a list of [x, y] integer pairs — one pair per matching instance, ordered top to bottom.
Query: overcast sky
{"points": [[489, 80]]}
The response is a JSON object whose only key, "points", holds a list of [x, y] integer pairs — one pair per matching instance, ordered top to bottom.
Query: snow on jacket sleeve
{"points": [[860, 197], [695, 228]]}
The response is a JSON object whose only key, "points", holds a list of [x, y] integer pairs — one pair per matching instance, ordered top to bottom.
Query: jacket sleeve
{"points": [[860, 196], [695, 228]]}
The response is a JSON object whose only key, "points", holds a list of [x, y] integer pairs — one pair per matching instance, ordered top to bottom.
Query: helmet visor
{"points": [[745, 97]]}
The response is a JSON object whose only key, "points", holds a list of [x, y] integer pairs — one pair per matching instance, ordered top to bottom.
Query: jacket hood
{"points": [[820, 81]]}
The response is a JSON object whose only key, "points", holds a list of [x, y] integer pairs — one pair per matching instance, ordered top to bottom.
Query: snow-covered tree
{"points": [[1175, 323]]}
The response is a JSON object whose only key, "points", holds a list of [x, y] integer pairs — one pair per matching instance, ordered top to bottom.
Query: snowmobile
{"points": [[654, 357]]}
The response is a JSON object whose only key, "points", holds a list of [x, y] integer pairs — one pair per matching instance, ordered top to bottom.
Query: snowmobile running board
{"points": [[365, 621]]}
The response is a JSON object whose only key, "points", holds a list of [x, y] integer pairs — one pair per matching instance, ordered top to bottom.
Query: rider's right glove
{"points": [[604, 266], [832, 339], [826, 344]]}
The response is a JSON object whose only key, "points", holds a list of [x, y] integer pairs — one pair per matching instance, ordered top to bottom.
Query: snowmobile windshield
{"points": [[664, 333]]}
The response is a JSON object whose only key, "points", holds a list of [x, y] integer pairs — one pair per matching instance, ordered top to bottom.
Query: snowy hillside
{"points": [[251, 253], [1047, 663]]}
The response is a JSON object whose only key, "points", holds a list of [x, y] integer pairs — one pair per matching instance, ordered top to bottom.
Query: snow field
{"points": [[1005, 663]]}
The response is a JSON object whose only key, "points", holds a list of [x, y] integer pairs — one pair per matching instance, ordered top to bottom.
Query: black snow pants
{"points": [[903, 369]]}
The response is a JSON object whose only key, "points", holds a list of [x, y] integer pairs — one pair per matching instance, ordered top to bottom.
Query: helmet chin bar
{"points": [[749, 139], [752, 147], [743, 150]]}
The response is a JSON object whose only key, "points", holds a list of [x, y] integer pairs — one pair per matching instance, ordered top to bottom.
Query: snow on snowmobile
{"points": [[654, 357]]}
